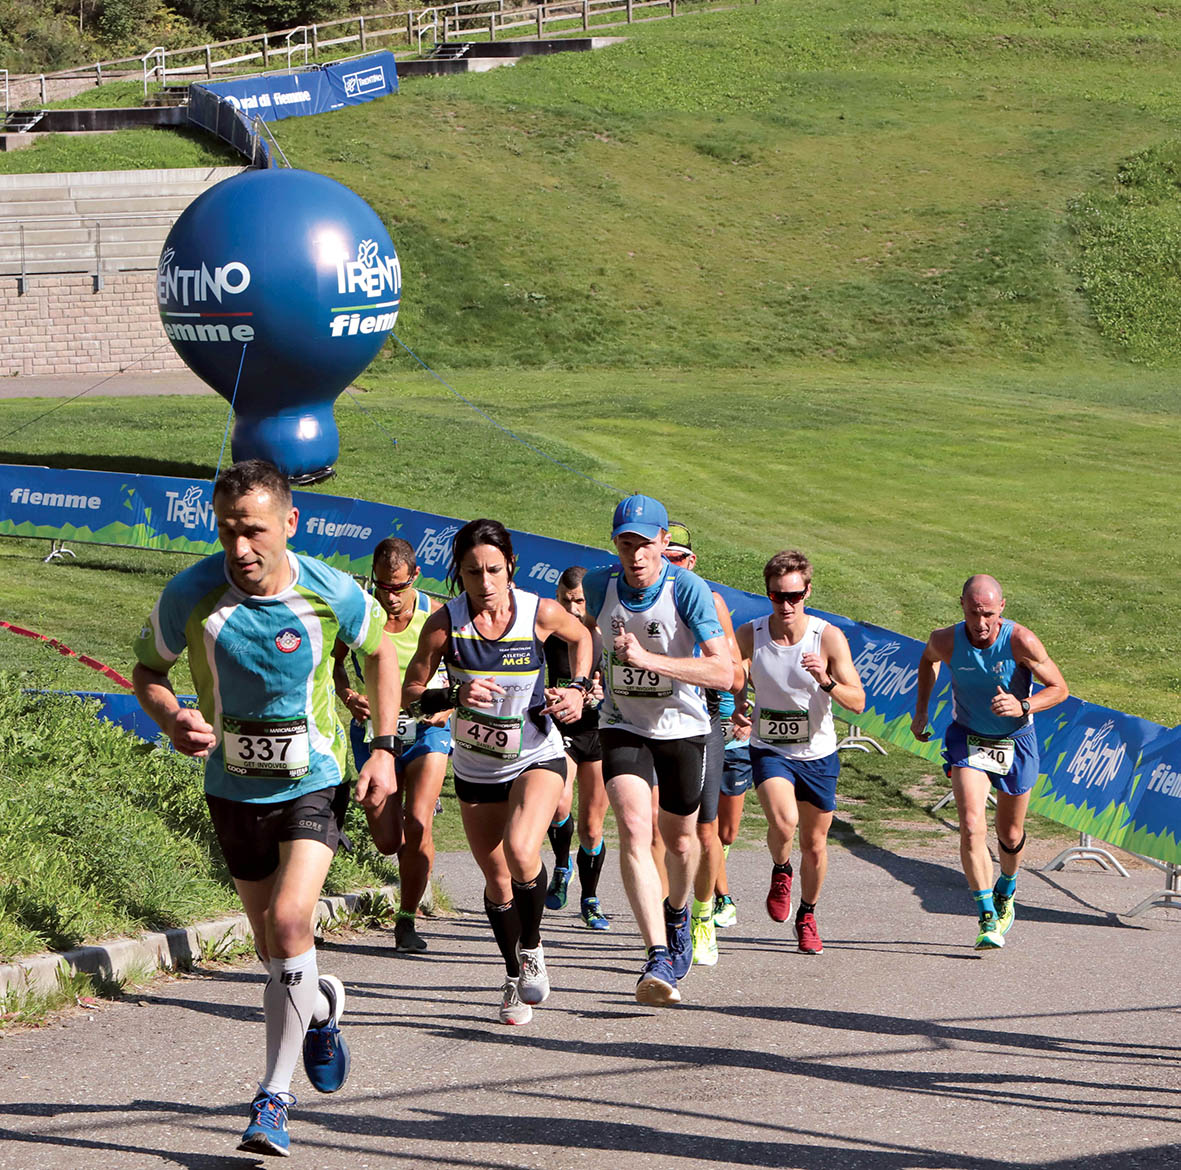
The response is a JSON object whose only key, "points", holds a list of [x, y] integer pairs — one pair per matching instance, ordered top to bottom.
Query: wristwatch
{"points": [[832, 682], [582, 683], [1024, 706], [385, 743]]}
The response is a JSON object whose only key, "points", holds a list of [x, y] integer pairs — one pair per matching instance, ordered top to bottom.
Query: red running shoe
{"points": [[779, 897], [808, 935]]}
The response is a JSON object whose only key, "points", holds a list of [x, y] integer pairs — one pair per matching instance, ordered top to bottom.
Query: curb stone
{"points": [[167, 949]]}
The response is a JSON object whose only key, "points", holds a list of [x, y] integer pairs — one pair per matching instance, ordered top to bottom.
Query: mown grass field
{"points": [[898, 287]]}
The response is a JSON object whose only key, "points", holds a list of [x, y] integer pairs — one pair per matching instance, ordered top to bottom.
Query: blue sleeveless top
{"points": [[975, 675]]}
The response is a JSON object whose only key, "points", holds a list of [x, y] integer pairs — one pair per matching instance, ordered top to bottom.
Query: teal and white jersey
{"points": [[263, 671]]}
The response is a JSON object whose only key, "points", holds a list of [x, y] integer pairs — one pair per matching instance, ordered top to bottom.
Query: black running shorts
{"points": [[584, 747], [715, 761], [675, 766], [496, 791], [250, 834]]}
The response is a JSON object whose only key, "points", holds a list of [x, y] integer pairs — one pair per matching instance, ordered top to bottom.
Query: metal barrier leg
{"points": [[57, 550], [858, 741], [949, 796], [1087, 850], [1169, 896]]}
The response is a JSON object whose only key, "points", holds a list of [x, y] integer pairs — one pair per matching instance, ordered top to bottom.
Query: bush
{"points": [[103, 835]]}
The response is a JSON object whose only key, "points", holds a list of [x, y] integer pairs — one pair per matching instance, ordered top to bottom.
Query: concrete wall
{"points": [[60, 325]]}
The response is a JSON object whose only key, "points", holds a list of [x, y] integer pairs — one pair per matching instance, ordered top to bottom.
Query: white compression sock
{"points": [[288, 1003]]}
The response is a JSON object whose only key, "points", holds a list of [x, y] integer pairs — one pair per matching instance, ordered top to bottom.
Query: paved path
{"points": [[126, 385], [896, 1048]]}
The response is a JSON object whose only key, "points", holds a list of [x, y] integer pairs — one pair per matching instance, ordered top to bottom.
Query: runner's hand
{"points": [[629, 650], [816, 667], [481, 692], [564, 703], [1003, 703], [918, 728], [190, 734], [378, 781]]}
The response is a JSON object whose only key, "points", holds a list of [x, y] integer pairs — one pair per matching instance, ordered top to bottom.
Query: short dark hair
{"points": [[239, 479], [477, 532], [397, 552], [789, 560], [571, 577]]}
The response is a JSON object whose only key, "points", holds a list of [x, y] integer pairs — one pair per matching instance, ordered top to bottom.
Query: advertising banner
{"points": [[273, 96], [1112, 775]]}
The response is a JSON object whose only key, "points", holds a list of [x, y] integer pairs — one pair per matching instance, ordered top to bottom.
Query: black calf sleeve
{"points": [[506, 929]]}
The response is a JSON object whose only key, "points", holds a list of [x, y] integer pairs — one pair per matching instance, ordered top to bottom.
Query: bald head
{"points": [[980, 587], [983, 603]]}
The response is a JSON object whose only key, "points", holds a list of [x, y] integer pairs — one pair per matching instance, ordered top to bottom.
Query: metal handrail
{"points": [[291, 47], [158, 52], [262, 130], [85, 256]]}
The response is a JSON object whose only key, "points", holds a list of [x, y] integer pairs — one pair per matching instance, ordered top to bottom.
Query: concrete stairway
{"points": [[98, 222]]}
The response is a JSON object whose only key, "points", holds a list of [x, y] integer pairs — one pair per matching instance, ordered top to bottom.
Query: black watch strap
{"points": [[581, 682], [832, 682], [386, 743]]}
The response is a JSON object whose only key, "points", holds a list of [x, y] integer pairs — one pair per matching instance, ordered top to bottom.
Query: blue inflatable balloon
{"points": [[278, 287]]}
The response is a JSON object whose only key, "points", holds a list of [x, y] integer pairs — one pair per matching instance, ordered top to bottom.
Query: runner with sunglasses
{"points": [[662, 645], [798, 664], [991, 742], [509, 763], [404, 823]]}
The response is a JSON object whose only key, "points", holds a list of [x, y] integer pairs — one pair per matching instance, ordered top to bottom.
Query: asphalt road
{"points": [[896, 1048]]}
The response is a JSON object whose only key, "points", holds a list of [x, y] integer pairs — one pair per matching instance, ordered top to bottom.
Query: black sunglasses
{"points": [[779, 596]]}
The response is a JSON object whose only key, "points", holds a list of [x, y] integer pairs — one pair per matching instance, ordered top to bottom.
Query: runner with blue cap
{"points": [[662, 646]]}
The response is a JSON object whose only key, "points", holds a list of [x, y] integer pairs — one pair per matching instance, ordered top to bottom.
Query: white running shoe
{"points": [[533, 984], [512, 1010]]}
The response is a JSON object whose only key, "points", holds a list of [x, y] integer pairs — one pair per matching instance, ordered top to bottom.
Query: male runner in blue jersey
{"points": [[259, 624], [662, 645], [991, 740]]}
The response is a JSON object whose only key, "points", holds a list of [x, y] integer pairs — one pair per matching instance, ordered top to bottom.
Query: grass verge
{"points": [[102, 835]]}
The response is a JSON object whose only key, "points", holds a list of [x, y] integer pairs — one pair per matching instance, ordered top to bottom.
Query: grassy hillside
{"points": [[888, 183], [897, 285], [898, 484]]}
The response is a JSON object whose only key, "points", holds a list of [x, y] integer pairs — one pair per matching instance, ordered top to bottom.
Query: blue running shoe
{"points": [[555, 896], [593, 916], [680, 942], [657, 985], [326, 1057], [267, 1131]]}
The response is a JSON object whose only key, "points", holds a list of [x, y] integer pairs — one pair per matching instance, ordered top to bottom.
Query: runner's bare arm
{"points": [[935, 652], [1029, 652], [837, 668], [714, 669], [739, 678], [383, 684], [356, 702], [566, 703], [184, 726]]}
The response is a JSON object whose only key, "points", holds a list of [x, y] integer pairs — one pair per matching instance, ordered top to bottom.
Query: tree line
{"points": [[45, 35]]}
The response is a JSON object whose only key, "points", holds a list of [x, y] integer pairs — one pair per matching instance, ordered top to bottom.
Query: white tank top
{"points": [[642, 701], [792, 716], [498, 743]]}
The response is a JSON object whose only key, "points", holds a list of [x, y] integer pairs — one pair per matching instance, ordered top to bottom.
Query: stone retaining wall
{"points": [[61, 325]]}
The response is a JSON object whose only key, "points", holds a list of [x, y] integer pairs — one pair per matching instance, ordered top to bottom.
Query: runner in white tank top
{"points": [[797, 664], [793, 715], [509, 763]]}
